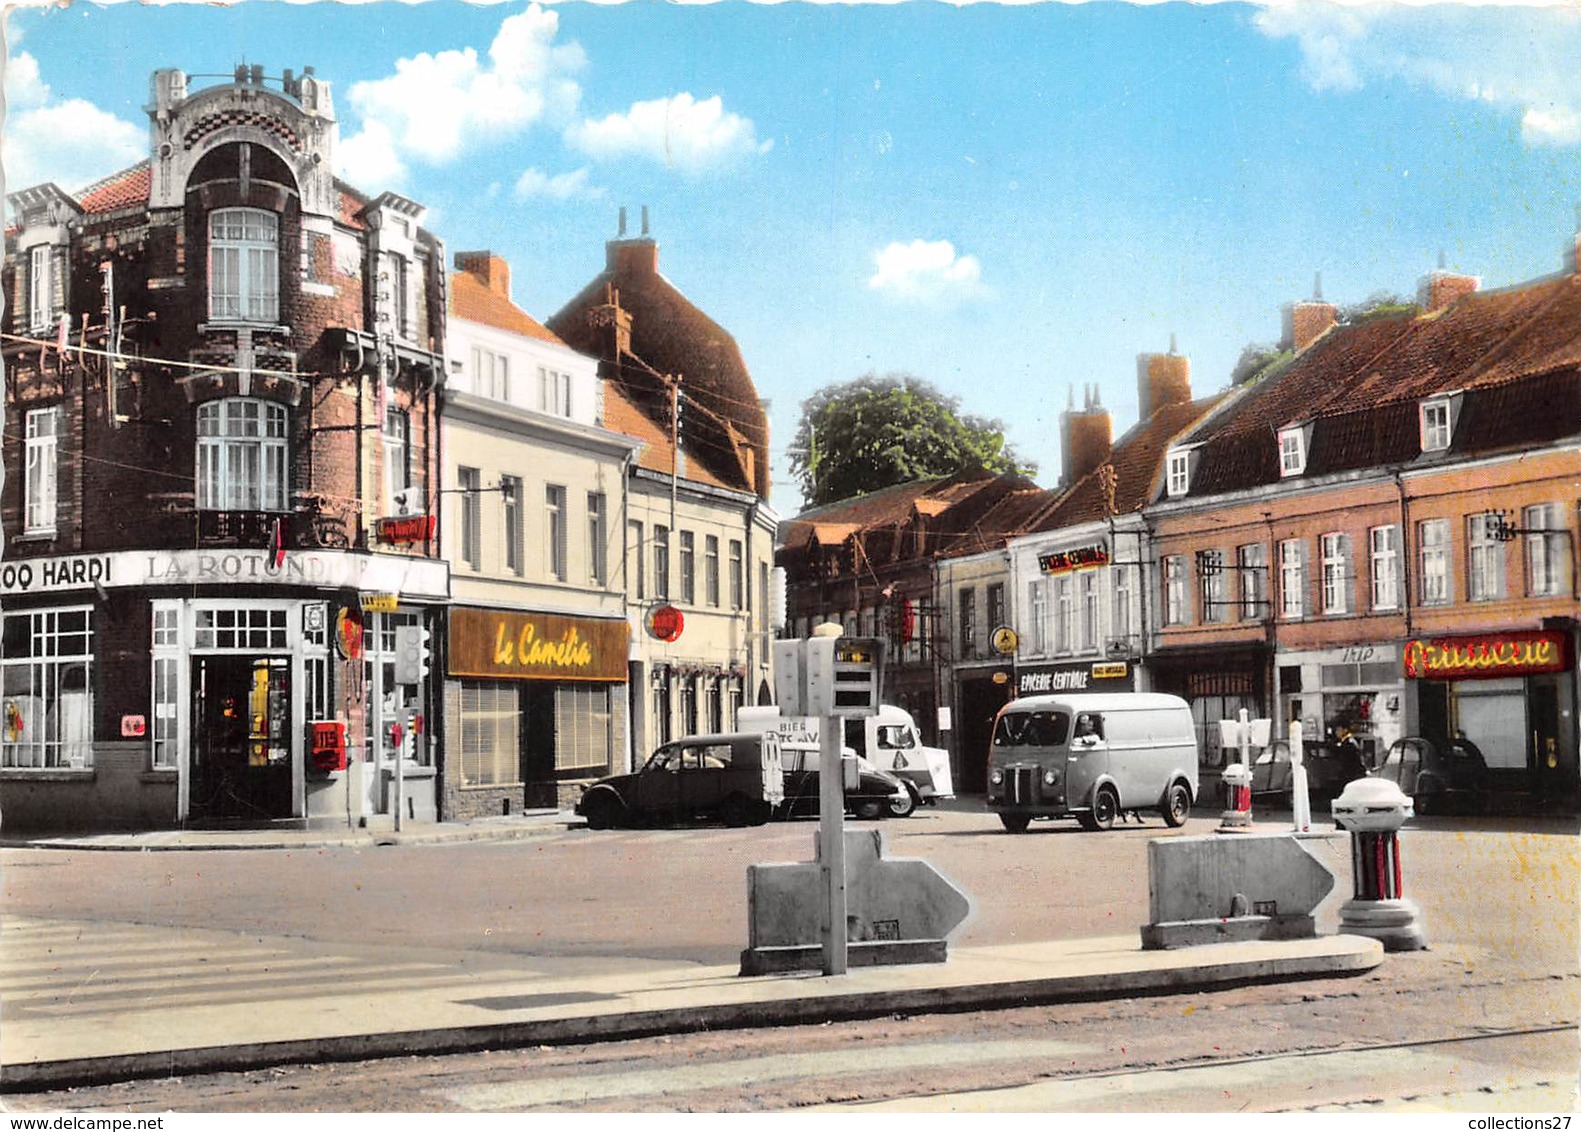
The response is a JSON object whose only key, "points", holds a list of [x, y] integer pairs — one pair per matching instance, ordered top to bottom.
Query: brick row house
{"points": [[220, 372], [1379, 535]]}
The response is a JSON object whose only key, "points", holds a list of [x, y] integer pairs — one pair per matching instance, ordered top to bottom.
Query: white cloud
{"points": [[1522, 61], [437, 107], [679, 132], [72, 143], [558, 186], [927, 271]]}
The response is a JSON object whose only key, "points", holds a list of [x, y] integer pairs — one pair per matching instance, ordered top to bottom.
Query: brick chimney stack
{"points": [[634, 256], [489, 269], [1441, 289], [1306, 322], [1162, 379], [1086, 438]]}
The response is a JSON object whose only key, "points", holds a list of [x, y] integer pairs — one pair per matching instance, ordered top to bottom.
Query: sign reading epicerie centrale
{"points": [[411, 577]]}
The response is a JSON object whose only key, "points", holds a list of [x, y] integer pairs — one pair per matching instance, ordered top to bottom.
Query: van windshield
{"points": [[1032, 729]]}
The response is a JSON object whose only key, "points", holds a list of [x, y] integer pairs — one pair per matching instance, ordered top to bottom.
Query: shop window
{"points": [[244, 253], [43, 454], [242, 455], [1433, 542], [1485, 559], [241, 628], [166, 645], [46, 701], [584, 728], [490, 734]]}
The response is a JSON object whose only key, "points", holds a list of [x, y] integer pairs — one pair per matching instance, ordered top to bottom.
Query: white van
{"points": [[888, 740], [1092, 757]]}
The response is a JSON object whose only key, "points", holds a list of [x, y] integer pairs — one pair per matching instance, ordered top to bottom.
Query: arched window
{"points": [[244, 265], [242, 456]]}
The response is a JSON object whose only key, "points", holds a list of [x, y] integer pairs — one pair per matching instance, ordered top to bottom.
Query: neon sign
{"points": [[1487, 657]]}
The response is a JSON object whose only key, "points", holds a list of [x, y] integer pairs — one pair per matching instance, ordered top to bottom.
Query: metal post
{"points": [[404, 724], [1300, 796], [831, 842]]}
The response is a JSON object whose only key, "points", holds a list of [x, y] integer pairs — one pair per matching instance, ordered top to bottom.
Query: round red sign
{"points": [[666, 622]]}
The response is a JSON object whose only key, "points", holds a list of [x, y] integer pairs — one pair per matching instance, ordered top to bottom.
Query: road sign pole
{"points": [[831, 841]]}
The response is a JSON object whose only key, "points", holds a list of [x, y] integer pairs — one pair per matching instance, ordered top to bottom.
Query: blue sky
{"points": [[1010, 201]]}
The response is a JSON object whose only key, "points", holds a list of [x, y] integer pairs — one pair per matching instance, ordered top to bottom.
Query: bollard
{"points": [[1238, 778], [1300, 795], [1372, 810]]}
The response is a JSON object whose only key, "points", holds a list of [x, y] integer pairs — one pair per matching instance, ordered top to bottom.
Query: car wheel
{"points": [[1177, 805], [1423, 805], [903, 807], [1105, 808], [602, 811], [868, 811], [1015, 823]]}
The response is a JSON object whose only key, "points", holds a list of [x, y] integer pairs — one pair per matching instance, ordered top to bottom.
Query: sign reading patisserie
{"points": [[502, 644], [1487, 656]]}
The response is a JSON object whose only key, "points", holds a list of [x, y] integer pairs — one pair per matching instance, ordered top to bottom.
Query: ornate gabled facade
{"points": [[221, 368]]}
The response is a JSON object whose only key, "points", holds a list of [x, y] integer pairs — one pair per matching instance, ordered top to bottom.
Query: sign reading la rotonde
{"points": [[386, 573]]}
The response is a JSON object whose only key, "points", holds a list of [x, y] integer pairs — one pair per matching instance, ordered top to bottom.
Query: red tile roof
{"points": [[121, 190], [475, 301], [657, 453]]}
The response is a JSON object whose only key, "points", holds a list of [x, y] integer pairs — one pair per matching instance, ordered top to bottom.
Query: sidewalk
{"points": [[85, 1003]]}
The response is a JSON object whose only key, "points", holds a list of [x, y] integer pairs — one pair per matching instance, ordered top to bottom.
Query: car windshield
{"points": [[1032, 729], [895, 737]]}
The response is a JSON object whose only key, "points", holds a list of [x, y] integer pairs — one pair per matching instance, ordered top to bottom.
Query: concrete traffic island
{"points": [[899, 910]]}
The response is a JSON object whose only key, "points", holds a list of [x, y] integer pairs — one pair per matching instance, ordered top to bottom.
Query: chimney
{"points": [[635, 256], [489, 269], [1442, 289], [1306, 322], [614, 326], [1162, 379], [1085, 437]]}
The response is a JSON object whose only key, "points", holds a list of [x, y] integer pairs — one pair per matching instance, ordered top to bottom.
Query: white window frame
{"points": [[244, 265], [41, 286], [491, 374], [554, 392], [1437, 422], [396, 437], [1293, 451], [243, 455], [42, 471], [1178, 482], [470, 483], [555, 522], [514, 528], [1432, 537], [597, 538], [1545, 551], [634, 554], [1384, 554], [1336, 558], [1484, 560], [661, 562], [688, 567], [711, 570], [738, 577], [1292, 579], [1174, 590], [1215, 602], [1037, 604], [1065, 614], [1120, 614], [1090, 617], [489, 726]]}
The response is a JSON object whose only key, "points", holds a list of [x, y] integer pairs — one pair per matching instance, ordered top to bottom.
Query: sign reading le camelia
{"points": [[497, 643], [1488, 656]]}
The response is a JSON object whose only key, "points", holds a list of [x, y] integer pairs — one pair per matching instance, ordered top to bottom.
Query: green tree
{"points": [[876, 432]]}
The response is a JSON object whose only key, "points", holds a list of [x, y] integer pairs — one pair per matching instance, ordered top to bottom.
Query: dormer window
{"points": [[1438, 423], [1293, 449], [1178, 479]]}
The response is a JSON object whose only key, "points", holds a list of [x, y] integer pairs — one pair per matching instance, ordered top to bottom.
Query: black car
{"points": [[1329, 767], [1441, 776], [877, 793]]}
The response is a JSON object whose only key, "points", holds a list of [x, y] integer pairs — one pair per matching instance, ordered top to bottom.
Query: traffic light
{"points": [[411, 654]]}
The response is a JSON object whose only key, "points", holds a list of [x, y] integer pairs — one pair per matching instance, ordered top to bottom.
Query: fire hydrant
{"points": [[1237, 777], [1373, 810]]}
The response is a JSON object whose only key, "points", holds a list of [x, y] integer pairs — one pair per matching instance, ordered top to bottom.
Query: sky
{"points": [[1010, 201]]}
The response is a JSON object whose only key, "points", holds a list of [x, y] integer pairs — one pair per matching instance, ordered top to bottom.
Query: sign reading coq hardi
{"points": [[497, 644]]}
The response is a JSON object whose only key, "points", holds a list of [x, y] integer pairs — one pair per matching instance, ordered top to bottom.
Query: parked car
{"points": [[1328, 769], [1448, 776], [735, 778], [740, 779]]}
